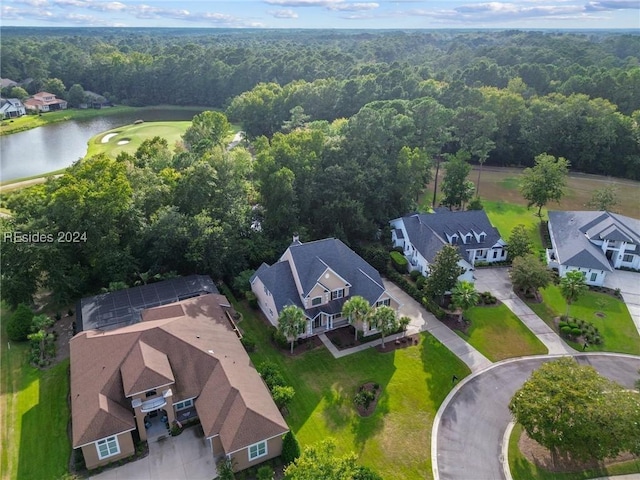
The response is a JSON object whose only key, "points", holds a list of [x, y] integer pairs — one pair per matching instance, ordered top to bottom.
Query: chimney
{"points": [[296, 238]]}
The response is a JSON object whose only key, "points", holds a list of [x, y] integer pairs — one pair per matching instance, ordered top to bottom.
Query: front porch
{"points": [[322, 327]]}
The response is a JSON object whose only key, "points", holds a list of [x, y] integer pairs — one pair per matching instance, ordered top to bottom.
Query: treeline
{"points": [[207, 67]]}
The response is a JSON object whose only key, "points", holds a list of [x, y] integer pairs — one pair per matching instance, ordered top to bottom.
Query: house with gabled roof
{"points": [[45, 102], [11, 108], [422, 236], [593, 242], [319, 277], [181, 361]]}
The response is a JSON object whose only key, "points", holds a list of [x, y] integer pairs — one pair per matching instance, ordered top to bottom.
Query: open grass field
{"points": [[129, 138], [502, 184], [505, 216], [616, 326], [498, 334], [34, 413], [396, 440], [522, 469]]}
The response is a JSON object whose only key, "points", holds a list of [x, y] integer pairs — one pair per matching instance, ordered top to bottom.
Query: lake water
{"points": [[52, 147]]}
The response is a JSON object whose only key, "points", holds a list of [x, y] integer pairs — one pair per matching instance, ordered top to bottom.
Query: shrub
{"points": [[377, 257], [399, 262], [415, 274], [420, 281], [241, 283], [252, 299], [69, 313], [19, 324], [562, 324], [566, 330], [576, 332], [278, 338], [597, 339], [248, 343], [271, 374], [282, 395], [364, 398], [290, 448], [225, 469], [265, 473]]}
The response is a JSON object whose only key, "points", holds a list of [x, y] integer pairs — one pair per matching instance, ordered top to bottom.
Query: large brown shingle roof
{"points": [[200, 350]]}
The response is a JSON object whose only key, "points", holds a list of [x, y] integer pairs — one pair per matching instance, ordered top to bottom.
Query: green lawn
{"points": [[135, 135], [505, 216], [617, 327], [498, 334], [35, 416], [395, 440], [522, 469]]}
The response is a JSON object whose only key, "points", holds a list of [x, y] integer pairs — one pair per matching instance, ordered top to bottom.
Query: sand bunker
{"points": [[108, 137], [123, 142]]}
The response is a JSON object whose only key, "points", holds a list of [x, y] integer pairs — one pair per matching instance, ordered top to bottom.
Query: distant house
{"points": [[7, 83], [95, 100], [45, 102], [11, 108], [422, 236], [593, 242], [319, 277], [181, 361]]}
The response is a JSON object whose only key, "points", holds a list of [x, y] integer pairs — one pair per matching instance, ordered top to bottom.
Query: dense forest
{"points": [[344, 129]]}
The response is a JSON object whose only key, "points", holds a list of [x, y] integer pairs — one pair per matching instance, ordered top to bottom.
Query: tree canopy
{"points": [[545, 181], [572, 410]]}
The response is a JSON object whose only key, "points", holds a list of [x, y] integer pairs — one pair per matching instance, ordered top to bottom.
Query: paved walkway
{"points": [[497, 281], [629, 285], [421, 321]]}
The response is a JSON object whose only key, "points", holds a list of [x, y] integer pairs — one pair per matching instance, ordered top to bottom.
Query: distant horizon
{"points": [[326, 14]]}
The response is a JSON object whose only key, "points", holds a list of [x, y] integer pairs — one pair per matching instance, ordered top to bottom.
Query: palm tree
{"points": [[572, 286], [464, 296], [356, 309], [384, 319], [291, 322]]}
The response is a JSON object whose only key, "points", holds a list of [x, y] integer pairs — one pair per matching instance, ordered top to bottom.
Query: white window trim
{"points": [[336, 292], [316, 304], [182, 403], [105, 441], [258, 454]]}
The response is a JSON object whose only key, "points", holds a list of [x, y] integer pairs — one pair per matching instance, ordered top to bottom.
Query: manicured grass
{"points": [[27, 122], [135, 135], [505, 216], [617, 327], [498, 334], [35, 415], [395, 440], [522, 469]]}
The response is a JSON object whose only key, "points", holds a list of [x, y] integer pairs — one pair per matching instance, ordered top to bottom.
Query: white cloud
{"points": [[33, 3], [304, 3], [353, 7], [286, 13]]}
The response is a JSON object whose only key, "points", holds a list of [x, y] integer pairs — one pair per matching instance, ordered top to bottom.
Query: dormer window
{"points": [[482, 237], [467, 238], [454, 239], [337, 294], [316, 301]]}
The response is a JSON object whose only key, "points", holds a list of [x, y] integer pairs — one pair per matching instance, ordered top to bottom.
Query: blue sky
{"points": [[581, 14]]}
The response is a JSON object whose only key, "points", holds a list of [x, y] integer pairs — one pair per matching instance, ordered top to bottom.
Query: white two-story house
{"points": [[422, 236], [593, 242], [319, 277]]}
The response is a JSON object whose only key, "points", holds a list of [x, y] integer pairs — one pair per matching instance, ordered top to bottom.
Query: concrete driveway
{"points": [[629, 285], [470, 424], [185, 457]]}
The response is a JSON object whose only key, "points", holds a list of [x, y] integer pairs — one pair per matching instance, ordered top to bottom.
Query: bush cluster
{"points": [[399, 262], [415, 293], [486, 298], [573, 328], [278, 338], [248, 343], [281, 392], [290, 448]]}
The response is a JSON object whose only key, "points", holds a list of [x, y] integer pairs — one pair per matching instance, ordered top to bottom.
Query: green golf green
{"points": [[129, 137]]}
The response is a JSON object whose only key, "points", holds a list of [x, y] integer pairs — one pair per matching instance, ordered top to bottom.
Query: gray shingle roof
{"points": [[428, 232], [571, 243], [311, 260]]}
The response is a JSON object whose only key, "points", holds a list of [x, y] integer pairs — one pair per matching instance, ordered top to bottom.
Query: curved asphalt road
{"points": [[467, 436]]}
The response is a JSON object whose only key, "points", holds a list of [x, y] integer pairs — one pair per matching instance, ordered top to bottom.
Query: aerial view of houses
{"points": [[320, 240]]}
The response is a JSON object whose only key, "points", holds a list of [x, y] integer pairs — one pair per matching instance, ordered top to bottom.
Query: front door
{"points": [[317, 322]]}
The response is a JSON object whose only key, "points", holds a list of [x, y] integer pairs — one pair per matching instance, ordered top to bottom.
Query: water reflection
{"points": [[52, 147]]}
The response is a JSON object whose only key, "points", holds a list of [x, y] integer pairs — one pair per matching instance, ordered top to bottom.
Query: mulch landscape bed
{"points": [[403, 342], [372, 406], [541, 456]]}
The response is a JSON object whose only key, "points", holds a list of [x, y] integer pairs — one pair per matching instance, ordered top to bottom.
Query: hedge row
{"points": [[399, 262], [416, 294]]}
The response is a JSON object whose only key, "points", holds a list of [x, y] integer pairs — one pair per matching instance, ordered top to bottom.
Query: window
{"points": [[482, 236], [467, 238], [454, 240], [495, 254], [627, 258], [594, 277], [337, 294], [316, 301], [385, 302], [150, 393], [184, 404], [108, 447], [257, 450]]}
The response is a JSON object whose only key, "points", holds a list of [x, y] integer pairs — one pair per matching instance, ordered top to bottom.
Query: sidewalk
{"points": [[497, 281], [421, 321]]}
